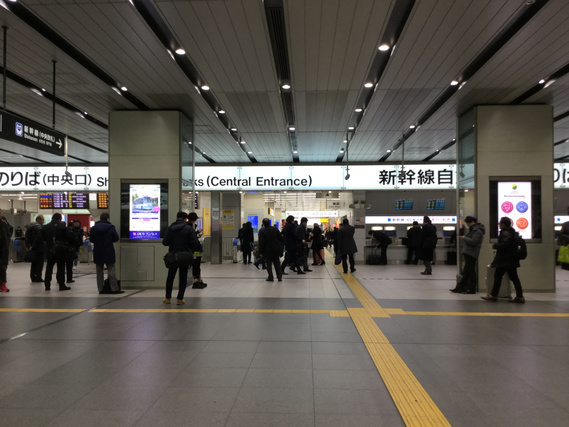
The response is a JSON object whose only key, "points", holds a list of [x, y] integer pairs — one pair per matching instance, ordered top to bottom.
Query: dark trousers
{"points": [[412, 255], [383, 256], [246, 257], [290, 259], [274, 260], [345, 263], [37, 266], [196, 267], [69, 269], [513, 274], [3, 276], [59, 276], [183, 281], [468, 281]]}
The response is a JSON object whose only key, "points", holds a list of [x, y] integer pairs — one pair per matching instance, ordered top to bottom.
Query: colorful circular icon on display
{"points": [[514, 186], [507, 207], [522, 207], [156, 209], [522, 223]]}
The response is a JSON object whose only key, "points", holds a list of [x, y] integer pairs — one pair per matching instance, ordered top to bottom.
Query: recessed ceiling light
{"points": [[384, 47], [180, 51], [542, 81], [454, 83], [368, 85], [286, 86], [205, 87], [123, 88], [43, 89], [358, 110], [221, 111], [412, 127], [292, 128], [351, 128], [233, 129], [345, 141], [242, 142], [294, 151], [389, 151], [249, 152]]}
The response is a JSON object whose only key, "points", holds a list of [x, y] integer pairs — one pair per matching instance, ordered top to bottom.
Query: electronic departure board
{"points": [[46, 200], [102, 200], [70, 201], [402, 204], [436, 204]]}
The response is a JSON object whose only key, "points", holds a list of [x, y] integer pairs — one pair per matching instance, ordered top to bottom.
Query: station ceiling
{"points": [[245, 51]]}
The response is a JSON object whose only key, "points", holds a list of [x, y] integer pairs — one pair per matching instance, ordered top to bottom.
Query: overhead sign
{"points": [[30, 134], [329, 177], [54, 178]]}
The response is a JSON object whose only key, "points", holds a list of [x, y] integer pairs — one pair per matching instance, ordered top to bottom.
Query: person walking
{"points": [[289, 234], [5, 235], [103, 235], [79, 237], [180, 237], [247, 242], [383, 242], [413, 244], [428, 244], [471, 244], [271, 245], [317, 245], [347, 245], [302, 246], [37, 250], [506, 261], [198, 283]]}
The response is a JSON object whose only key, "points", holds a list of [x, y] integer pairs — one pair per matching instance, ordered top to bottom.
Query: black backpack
{"points": [[521, 248]]}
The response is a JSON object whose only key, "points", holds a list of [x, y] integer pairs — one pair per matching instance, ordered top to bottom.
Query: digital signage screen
{"points": [[102, 200], [519, 200], [46, 201], [70, 201], [402, 204], [436, 204], [144, 210]]}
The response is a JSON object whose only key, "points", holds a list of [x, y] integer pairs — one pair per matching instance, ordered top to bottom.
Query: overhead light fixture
{"points": [[384, 47], [180, 51], [542, 81], [454, 83], [548, 83], [368, 84], [461, 85], [286, 86], [205, 87], [43, 89], [124, 89], [117, 90], [36, 91], [358, 110], [221, 112], [80, 114], [412, 127], [292, 128], [351, 128], [233, 129], [345, 141], [242, 142], [295, 151], [389, 151], [249, 152]]}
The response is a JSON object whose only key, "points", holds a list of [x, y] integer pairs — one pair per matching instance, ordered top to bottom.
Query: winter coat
{"points": [[33, 230], [55, 230], [78, 234], [103, 234], [289, 234], [300, 234], [181, 236], [414, 237], [382, 238], [248, 239], [317, 239], [473, 240], [428, 241], [271, 242], [346, 242], [4, 243], [506, 249]]}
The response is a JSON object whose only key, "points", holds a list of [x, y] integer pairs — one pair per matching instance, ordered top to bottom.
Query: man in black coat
{"points": [[53, 234], [289, 234], [5, 235], [103, 235], [180, 237], [383, 241], [413, 243], [271, 244], [428, 244], [347, 245], [302, 246], [37, 248], [506, 261]]}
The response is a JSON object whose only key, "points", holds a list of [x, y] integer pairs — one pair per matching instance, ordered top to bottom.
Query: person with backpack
{"points": [[471, 244], [37, 250], [507, 260]]}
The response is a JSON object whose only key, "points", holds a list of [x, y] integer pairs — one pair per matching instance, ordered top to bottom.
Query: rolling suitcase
{"points": [[374, 258], [505, 288]]}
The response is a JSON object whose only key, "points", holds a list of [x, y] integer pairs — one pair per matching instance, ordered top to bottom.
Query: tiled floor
{"points": [[272, 354]]}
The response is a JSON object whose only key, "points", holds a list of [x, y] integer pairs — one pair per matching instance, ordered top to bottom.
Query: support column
{"points": [[510, 143], [216, 203]]}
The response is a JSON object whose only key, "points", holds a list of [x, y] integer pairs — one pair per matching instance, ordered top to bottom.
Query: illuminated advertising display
{"points": [[515, 202], [144, 211]]}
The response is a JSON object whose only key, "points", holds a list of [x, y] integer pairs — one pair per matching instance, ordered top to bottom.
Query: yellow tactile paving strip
{"points": [[41, 310], [332, 313], [413, 403]]}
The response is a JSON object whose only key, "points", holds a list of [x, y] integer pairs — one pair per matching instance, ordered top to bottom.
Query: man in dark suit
{"points": [[271, 245]]}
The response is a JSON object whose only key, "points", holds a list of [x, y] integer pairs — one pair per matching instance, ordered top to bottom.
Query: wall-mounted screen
{"points": [[102, 200], [519, 200], [46, 201], [70, 201], [402, 204], [436, 204], [144, 210], [254, 219]]}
